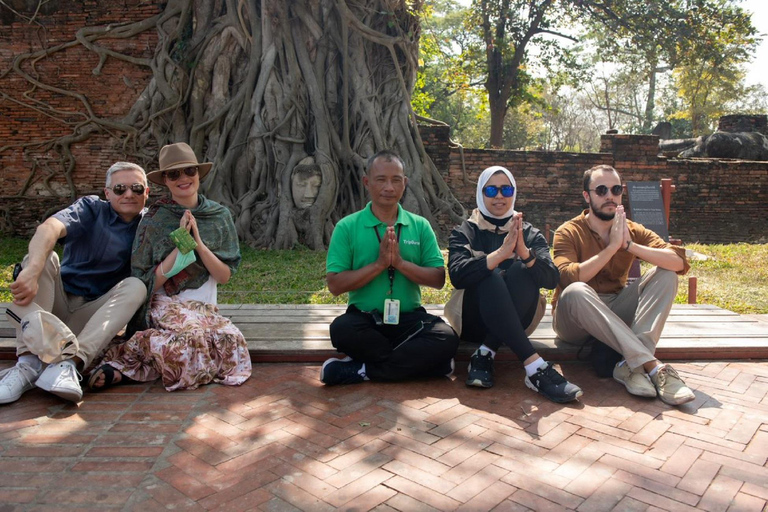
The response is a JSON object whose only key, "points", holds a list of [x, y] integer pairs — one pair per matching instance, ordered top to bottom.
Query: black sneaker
{"points": [[480, 369], [341, 371], [552, 385]]}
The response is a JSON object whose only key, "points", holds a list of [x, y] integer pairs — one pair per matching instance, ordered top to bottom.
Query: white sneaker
{"points": [[62, 380], [16, 381], [636, 381], [672, 389]]}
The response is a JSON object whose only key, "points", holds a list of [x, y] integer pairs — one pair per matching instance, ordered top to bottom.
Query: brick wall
{"points": [[33, 116], [436, 142], [545, 180], [716, 201]]}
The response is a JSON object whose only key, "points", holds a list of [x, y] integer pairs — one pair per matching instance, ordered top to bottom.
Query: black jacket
{"points": [[471, 242]]}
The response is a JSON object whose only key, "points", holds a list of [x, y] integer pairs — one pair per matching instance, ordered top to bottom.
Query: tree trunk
{"points": [[288, 99], [650, 103], [498, 107]]}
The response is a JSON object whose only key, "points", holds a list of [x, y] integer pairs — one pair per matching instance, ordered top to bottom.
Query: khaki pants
{"points": [[630, 322], [94, 323]]}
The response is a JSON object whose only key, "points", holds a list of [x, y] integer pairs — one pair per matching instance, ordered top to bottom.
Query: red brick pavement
{"points": [[283, 441]]}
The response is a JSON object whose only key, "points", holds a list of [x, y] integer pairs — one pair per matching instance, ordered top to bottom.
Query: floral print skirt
{"points": [[189, 344]]}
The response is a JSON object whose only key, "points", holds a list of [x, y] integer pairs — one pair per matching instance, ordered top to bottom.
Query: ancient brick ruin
{"points": [[715, 201]]}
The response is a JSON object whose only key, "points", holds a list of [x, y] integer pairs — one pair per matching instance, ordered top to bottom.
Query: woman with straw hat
{"points": [[185, 246]]}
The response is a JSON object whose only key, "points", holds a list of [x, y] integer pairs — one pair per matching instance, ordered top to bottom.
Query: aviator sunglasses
{"points": [[174, 174], [120, 189], [493, 190], [602, 190]]}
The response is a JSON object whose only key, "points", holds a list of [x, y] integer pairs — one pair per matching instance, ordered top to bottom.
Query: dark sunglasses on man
{"points": [[174, 174], [120, 189], [493, 190], [602, 190]]}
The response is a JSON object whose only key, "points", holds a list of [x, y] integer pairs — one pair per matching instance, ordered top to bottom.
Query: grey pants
{"points": [[630, 322], [94, 323]]}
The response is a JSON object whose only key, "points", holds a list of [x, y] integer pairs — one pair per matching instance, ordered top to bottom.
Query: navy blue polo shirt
{"points": [[97, 247]]}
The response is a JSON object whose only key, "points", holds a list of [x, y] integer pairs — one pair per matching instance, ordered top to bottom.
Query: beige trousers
{"points": [[630, 322], [94, 323]]}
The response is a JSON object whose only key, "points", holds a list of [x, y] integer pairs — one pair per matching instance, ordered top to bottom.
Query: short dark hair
{"points": [[388, 156], [588, 174]]}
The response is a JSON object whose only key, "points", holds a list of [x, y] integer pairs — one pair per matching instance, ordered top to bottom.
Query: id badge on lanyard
{"points": [[391, 306], [391, 311]]}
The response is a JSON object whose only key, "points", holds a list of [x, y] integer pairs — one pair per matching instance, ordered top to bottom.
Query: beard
{"points": [[600, 215]]}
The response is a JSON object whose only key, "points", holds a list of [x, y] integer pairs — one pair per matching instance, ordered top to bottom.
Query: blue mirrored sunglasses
{"points": [[493, 190]]}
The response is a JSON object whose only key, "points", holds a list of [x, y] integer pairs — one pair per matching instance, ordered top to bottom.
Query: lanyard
{"points": [[391, 269]]}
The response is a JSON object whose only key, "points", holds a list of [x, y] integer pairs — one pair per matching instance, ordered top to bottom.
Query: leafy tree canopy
{"points": [[621, 57]]}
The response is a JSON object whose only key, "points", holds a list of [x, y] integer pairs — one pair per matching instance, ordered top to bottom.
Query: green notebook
{"points": [[183, 240]]}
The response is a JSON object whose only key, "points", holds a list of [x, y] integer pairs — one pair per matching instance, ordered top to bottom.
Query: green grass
{"points": [[279, 277], [291, 277], [735, 277]]}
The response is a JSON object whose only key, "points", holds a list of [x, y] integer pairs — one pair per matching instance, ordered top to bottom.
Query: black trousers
{"points": [[498, 309], [421, 345]]}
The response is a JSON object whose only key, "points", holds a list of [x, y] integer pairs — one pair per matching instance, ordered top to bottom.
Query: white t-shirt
{"points": [[206, 293]]}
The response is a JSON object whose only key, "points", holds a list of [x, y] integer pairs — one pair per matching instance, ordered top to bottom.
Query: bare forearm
{"points": [[42, 243], [664, 258], [495, 259], [163, 268], [216, 268], [589, 269], [219, 270], [433, 277], [342, 282], [25, 287]]}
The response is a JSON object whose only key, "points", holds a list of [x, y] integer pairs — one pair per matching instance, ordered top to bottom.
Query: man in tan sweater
{"points": [[594, 253]]}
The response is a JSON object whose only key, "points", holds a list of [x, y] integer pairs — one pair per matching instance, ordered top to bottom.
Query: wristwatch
{"points": [[530, 258]]}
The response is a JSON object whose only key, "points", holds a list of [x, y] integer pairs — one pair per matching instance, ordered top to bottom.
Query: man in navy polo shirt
{"points": [[381, 255], [90, 293]]}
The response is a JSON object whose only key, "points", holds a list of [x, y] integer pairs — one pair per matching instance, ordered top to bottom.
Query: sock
{"points": [[484, 347], [32, 361], [531, 368], [361, 372], [653, 372]]}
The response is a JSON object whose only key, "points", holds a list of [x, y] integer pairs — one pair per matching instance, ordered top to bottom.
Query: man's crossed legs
{"points": [[631, 323], [45, 334], [421, 345]]}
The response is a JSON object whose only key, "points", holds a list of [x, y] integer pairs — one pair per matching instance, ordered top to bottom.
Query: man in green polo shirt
{"points": [[381, 255]]}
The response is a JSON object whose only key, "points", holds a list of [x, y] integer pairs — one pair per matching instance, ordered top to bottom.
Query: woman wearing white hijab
{"points": [[500, 263]]}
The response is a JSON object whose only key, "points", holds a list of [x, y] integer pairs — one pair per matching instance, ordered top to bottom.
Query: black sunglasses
{"points": [[174, 174], [120, 189], [493, 190], [602, 190]]}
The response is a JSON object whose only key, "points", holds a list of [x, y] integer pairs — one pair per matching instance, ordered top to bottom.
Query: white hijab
{"points": [[482, 180]]}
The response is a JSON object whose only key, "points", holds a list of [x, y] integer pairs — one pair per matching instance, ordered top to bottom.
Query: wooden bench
{"points": [[299, 333]]}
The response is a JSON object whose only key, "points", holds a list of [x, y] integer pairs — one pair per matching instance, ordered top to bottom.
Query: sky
{"points": [[757, 70]]}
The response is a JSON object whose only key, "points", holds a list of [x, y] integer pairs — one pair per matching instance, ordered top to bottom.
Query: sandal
{"points": [[109, 373]]}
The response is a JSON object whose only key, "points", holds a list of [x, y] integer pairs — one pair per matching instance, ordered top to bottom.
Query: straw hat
{"points": [[177, 156]]}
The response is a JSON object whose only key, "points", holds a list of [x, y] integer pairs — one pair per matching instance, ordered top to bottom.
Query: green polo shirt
{"points": [[354, 244]]}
